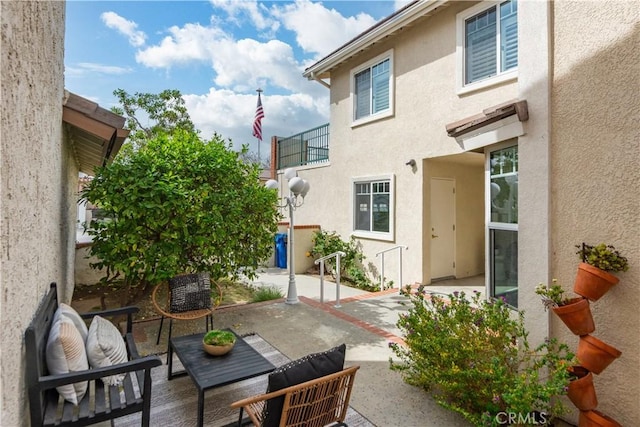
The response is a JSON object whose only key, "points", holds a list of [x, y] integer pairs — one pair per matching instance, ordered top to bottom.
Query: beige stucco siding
{"points": [[425, 101], [595, 183], [34, 211]]}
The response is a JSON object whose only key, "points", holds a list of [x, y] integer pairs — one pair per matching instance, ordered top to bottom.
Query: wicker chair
{"points": [[189, 297], [314, 403]]}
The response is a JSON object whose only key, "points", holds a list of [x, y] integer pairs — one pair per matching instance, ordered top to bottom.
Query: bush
{"points": [[351, 269], [266, 293], [474, 358]]}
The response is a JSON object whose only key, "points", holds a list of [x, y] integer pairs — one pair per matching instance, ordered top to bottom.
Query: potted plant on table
{"points": [[594, 277], [574, 312], [218, 342]]}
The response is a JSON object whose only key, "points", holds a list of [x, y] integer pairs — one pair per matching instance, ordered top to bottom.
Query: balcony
{"points": [[305, 148]]}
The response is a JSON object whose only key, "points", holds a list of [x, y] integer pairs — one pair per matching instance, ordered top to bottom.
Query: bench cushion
{"points": [[106, 347], [66, 353], [307, 368]]}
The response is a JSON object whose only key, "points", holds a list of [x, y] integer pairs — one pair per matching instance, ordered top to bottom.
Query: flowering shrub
{"points": [[472, 355]]}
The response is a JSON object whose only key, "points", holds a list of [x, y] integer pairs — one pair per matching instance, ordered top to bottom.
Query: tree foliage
{"points": [[150, 114], [180, 204]]}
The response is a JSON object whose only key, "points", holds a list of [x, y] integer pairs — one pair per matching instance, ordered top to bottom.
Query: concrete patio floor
{"points": [[364, 321]]}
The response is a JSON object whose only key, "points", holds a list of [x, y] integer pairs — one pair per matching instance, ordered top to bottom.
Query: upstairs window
{"points": [[488, 37], [372, 89]]}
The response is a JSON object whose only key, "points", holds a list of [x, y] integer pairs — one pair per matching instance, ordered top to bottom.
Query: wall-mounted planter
{"points": [[592, 282], [576, 315], [594, 354], [581, 391], [596, 419]]}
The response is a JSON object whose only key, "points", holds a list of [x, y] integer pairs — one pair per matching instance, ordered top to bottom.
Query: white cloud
{"points": [[257, 13], [128, 28], [321, 39], [193, 42], [239, 64], [103, 69], [231, 114]]}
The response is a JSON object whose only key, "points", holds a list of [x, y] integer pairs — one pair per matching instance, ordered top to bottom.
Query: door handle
{"points": [[433, 236]]}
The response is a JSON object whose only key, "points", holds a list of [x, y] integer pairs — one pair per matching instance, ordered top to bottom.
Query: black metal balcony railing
{"points": [[308, 147]]}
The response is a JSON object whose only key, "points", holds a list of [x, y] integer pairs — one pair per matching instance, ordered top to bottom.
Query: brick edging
{"points": [[328, 308]]}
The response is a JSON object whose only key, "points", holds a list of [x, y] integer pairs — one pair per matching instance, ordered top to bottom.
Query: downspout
{"points": [[322, 82]]}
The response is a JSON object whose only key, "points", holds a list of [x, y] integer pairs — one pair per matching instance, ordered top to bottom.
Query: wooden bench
{"points": [[101, 402], [315, 403]]}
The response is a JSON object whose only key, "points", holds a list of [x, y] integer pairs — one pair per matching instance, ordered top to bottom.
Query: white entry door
{"points": [[443, 227]]}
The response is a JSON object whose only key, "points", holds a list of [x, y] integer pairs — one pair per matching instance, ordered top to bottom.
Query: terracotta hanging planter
{"points": [[592, 282], [576, 315], [594, 354], [581, 391], [596, 419]]}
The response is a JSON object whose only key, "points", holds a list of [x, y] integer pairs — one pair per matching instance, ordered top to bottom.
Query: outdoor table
{"points": [[208, 372]]}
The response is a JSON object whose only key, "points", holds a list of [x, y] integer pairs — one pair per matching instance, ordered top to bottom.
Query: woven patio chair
{"points": [[189, 297], [315, 403]]}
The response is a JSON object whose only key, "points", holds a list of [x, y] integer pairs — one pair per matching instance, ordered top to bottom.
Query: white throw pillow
{"points": [[72, 314], [106, 347], [66, 353]]}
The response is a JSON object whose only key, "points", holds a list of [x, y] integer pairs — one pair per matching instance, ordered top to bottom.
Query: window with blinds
{"points": [[491, 42], [371, 84]]}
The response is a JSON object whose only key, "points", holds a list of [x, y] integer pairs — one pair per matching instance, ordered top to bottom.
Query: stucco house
{"points": [[49, 136], [490, 138]]}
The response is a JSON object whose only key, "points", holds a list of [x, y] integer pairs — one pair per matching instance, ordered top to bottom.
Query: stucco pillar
{"points": [[534, 228]]}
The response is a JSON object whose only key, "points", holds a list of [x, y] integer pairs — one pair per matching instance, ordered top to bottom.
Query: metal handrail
{"points": [[321, 261], [382, 264]]}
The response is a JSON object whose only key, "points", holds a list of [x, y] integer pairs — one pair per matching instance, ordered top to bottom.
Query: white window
{"points": [[487, 44], [372, 89], [373, 210]]}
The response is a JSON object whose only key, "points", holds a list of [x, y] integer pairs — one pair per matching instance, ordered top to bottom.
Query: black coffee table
{"points": [[208, 372]]}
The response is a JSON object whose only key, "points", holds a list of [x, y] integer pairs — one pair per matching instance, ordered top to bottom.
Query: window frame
{"points": [[388, 55], [461, 64], [492, 225], [377, 235]]}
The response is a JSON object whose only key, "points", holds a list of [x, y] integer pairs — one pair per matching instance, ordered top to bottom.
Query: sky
{"points": [[216, 53]]}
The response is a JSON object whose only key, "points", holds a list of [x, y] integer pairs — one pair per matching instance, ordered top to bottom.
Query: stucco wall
{"points": [[425, 101], [595, 152], [34, 210]]}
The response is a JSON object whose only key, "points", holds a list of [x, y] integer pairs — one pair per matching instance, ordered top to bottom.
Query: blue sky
{"points": [[216, 53]]}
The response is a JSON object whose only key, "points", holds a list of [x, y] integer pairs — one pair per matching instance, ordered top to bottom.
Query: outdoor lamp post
{"points": [[298, 189]]}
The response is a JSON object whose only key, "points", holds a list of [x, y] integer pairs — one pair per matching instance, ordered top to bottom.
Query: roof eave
{"points": [[384, 28]]}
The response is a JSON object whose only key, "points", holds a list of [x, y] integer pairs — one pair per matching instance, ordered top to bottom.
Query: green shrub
{"points": [[351, 269], [266, 293], [472, 355]]}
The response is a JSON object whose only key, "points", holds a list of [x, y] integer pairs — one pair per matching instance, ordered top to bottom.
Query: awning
{"points": [[96, 133]]}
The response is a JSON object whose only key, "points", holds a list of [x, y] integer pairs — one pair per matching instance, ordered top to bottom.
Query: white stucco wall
{"points": [[425, 102], [595, 180], [36, 212]]}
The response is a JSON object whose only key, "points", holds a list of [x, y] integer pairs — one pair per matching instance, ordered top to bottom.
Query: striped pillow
{"points": [[106, 347], [66, 353]]}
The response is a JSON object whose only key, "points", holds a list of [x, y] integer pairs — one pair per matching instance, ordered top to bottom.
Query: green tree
{"points": [[150, 114], [180, 204]]}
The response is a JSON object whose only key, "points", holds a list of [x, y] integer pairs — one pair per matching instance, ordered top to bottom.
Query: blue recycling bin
{"points": [[281, 250]]}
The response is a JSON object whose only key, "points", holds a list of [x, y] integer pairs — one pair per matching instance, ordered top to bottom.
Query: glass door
{"points": [[503, 223]]}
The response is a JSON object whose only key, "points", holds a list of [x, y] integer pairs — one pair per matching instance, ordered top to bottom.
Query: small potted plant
{"points": [[595, 276], [574, 312], [218, 342]]}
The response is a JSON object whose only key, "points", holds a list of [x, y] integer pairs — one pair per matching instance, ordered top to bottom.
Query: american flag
{"points": [[257, 122]]}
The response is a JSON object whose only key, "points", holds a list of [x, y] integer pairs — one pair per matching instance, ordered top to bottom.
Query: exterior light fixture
{"points": [[298, 189]]}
